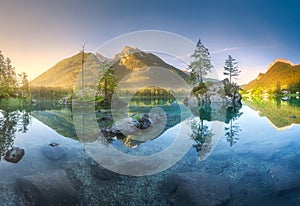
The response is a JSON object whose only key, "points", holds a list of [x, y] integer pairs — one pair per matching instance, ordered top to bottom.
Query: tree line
{"points": [[11, 83]]}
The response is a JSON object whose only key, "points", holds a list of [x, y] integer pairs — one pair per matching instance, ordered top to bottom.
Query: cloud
{"points": [[241, 48], [226, 50]]}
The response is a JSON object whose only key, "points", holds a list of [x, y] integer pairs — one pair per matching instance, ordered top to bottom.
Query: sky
{"points": [[36, 34]]}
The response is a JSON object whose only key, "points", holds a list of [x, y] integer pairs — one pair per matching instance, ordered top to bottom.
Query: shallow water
{"points": [[257, 152]]}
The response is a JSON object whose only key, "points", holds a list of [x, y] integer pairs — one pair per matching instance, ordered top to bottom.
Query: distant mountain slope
{"points": [[136, 61], [280, 70], [64, 73]]}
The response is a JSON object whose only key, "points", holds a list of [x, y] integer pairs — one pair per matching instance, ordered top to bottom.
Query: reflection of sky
{"points": [[37, 34], [258, 135]]}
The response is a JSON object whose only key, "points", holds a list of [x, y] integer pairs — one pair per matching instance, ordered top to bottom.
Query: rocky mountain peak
{"points": [[127, 50], [281, 60]]}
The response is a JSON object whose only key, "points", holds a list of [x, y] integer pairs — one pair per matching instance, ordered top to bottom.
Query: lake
{"points": [[236, 156]]}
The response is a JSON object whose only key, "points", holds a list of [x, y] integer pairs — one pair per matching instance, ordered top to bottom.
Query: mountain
{"points": [[140, 61], [280, 71], [65, 72]]}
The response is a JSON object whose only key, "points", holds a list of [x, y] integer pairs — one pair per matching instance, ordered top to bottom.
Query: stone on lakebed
{"points": [[14, 155], [196, 188]]}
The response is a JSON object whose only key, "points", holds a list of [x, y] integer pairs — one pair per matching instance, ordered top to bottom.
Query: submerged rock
{"points": [[53, 152], [14, 155], [101, 173], [284, 180], [52, 188], [194, 188]]}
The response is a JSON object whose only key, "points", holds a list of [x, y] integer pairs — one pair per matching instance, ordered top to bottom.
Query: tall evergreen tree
{"points": [[201, 64], [231, 68], [24, 84], [107, 84]]}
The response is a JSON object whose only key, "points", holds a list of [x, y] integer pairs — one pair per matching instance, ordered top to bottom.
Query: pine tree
{"points": [[201, 64], [231, 68], [24, 84], [108, 84]]}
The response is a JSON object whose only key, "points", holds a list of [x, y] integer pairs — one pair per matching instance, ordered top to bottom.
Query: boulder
{"points": [[215, 91], [236, 98], [144, 122], [130, 126], [53, 152], [14, 155], [52, 188], [196, 188]]}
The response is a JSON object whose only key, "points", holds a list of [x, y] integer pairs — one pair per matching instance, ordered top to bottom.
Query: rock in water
{"points": [[237, 98], [145, 122], [53, 144], [53, 152], [14, 155], [52, 188], [195, 188]]}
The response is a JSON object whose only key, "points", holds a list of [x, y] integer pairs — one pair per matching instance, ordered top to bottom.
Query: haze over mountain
{"points": [[280, 71], [65, 72]]}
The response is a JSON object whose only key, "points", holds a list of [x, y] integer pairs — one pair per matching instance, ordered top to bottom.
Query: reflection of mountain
{"points": [[281, 71], [280, 113], [58, 120]]}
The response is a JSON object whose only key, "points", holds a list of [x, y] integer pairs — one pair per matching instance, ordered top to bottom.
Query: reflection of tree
{"points": [[10, 123], [233, 129], [201, 134]]}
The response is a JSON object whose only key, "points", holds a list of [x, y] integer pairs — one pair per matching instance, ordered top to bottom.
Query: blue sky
{"points": [[36, 34]]}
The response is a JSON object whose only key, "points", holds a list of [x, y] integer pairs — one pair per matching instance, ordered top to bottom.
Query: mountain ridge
{"points": [[65, 72], [280, 72]]}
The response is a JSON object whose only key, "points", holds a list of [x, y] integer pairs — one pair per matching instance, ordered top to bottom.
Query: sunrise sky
{"points": [[36, 34]]}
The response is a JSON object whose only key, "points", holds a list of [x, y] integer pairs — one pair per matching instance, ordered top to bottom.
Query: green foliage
{"points": [[201, 64], [231, 68], [8, 80], [10, 84], [24, 85], [107, 85], [294, 87], [231, 88], [201, 89], [153, 91], [50, 92]]}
